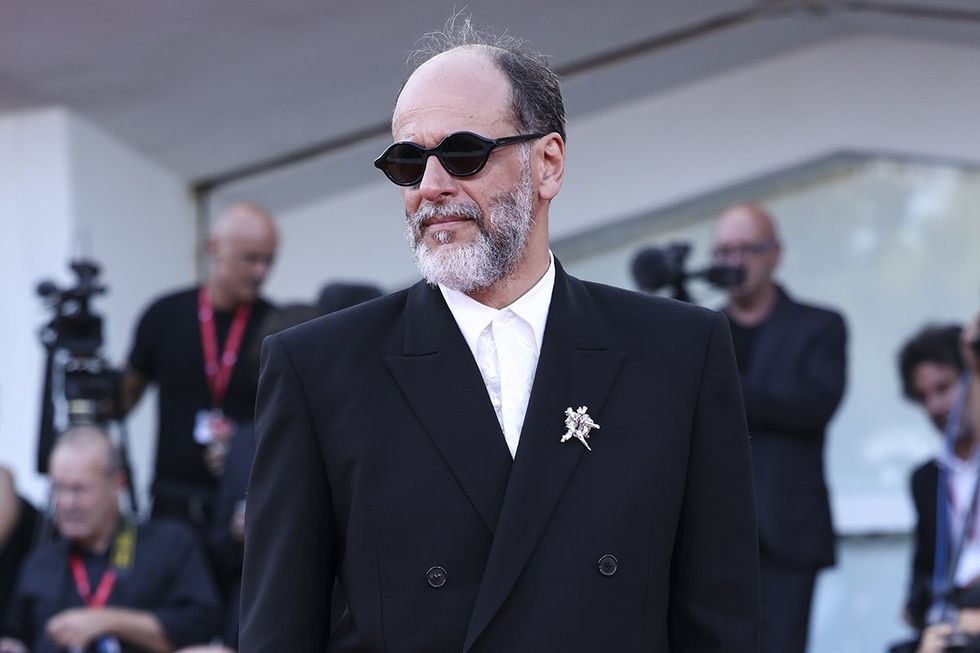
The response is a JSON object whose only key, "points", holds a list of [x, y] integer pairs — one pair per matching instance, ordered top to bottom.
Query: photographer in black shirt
{"points": [[188, 343]]}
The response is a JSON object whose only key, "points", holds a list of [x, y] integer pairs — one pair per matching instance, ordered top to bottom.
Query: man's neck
{"points": [[507, 291], [221, 300], [752, 310], [963, 448], [100, 542]]}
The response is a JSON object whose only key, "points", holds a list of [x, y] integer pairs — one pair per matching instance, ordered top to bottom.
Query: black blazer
{"points": [[792, 387], [380, 460], [923, 483]]}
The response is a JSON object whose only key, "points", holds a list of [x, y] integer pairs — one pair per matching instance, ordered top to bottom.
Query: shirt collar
{"points": [[472, 317], [955, 465]]}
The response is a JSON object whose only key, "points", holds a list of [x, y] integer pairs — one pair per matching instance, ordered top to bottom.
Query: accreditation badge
{"points": [[203, 430]]}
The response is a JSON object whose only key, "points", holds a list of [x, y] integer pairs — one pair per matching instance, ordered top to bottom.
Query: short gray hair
{"points": [[536, 100], [88, 435]]}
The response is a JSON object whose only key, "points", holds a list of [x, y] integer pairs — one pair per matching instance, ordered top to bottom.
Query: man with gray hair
{"points": [[501, 457], [107, 583]]}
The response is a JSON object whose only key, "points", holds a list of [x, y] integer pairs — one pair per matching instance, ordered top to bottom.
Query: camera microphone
{"points": [[655, 268], [725, 276]]}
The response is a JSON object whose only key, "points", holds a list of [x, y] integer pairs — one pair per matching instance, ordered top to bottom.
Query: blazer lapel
{"points": [[574, 369], [443, 385]]}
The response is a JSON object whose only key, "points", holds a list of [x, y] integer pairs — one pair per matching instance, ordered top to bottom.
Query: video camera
{"points": [[655, 268], [80, 387]]}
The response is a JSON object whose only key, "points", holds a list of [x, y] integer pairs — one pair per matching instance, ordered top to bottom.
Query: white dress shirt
{"points": [[506, 345], [962, 479]]}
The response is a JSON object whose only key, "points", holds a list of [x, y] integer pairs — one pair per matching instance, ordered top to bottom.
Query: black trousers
{"points": [[787, 593]]}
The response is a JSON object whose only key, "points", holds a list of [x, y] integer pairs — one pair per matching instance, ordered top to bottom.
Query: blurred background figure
{"points": [[188, 343], [791, 358], [931, 367], [940, 372], [18, 525], [108, 582]]}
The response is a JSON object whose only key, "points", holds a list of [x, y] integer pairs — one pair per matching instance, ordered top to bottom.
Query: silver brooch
{"points": [[577, 425]]}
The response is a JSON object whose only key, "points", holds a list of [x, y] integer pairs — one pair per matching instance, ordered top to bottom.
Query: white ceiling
{"points": [[209, 87]]}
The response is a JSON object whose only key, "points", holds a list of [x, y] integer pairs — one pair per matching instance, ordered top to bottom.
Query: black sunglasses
{"points": [[462, 154]]}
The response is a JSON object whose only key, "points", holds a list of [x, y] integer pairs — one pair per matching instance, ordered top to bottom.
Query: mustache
{"points": [[431, 211]]}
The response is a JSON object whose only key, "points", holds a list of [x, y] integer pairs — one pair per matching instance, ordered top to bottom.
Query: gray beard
{"points": [[494, 253]]}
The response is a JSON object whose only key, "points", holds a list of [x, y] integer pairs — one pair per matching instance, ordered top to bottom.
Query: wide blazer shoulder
{"points": [[801, 312], [624, 318], [659, 326], [370, 329]]}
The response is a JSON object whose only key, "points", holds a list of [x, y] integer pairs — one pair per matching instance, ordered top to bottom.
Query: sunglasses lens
{"points": [[464, 154], [404, 163]]}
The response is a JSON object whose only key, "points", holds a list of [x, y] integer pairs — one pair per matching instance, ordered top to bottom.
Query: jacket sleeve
{"points": [[804, 404], [289, 537], [924, 547], [714, 602], [190, 609]]}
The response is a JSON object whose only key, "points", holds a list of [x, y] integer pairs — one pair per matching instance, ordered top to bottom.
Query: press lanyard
{"points": [[219, 373], [102, 592]]}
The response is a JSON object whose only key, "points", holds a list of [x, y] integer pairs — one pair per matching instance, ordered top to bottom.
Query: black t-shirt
{"points": [[744, 339], [168, 351]]}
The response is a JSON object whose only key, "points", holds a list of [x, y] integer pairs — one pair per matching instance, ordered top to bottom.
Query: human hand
{"points": [[968, 621], [76, 627], [934, 638], [10, 645]]}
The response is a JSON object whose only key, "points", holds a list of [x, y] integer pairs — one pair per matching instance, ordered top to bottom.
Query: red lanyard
{"points": [[219, 374], [102, 592]]}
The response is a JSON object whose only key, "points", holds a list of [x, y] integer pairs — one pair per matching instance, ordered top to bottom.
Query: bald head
{"points": [[243, 218], [749, 220], [745, 235], [242, 247], [85, 440], [85, 483]]}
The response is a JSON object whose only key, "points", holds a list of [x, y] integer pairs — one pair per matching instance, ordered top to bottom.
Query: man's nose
{"points": [[436, 182], [936, 407]]}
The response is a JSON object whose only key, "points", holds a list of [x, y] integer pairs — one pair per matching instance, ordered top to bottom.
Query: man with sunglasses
{"points": [[792, 362], [502, 457]]}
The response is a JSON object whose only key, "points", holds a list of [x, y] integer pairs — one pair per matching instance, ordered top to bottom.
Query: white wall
{"points": [[68, 188], [35, 232]]}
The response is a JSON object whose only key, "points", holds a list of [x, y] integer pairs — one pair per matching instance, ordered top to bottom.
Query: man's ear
{"points": [[550, 161]]}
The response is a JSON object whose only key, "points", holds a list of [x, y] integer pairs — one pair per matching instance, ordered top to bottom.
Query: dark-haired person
{"points": [[792, 361], [931, 366], [939, 372], [502, 457], [107, 583]]}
